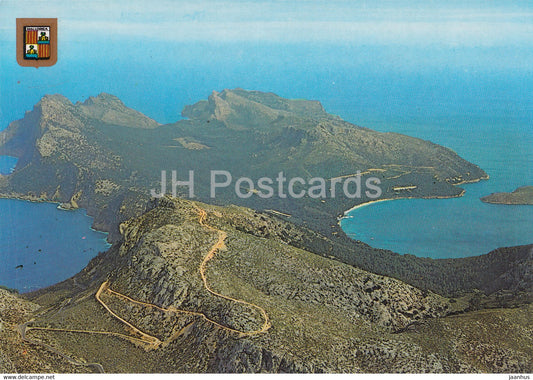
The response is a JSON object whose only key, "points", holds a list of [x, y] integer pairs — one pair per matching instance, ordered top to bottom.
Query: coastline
{"points": [[466, 182], [462, 193], [521, 196], [28, 198], [33, 199], [506, 203], [364, 204], [64, 206], [381, 232], [75, 252]]}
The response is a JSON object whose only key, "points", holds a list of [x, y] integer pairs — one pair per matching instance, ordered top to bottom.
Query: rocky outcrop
{"points": [[112, 111], [521, 196], [165, 246], [191, 276]]}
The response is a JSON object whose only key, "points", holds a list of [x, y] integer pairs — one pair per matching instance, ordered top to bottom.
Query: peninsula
{"points": [[105, 157], [231, 284]]}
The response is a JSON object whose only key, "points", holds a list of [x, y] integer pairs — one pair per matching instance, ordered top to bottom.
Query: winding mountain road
{"points": [[150, 341]]}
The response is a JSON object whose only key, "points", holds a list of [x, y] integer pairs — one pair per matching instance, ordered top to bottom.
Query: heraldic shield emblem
{"points": [[36, 42]]}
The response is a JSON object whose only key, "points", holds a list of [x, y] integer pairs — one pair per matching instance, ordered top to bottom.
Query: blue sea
{"points": [[474, 100], [7, 164], [458, 227], [41, 245]]}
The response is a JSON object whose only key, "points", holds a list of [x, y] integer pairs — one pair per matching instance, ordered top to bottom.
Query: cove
{"points": [[440, 228], [41, 245]]}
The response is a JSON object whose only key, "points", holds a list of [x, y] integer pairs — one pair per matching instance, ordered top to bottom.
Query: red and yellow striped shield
{"points": [[37, 42]]}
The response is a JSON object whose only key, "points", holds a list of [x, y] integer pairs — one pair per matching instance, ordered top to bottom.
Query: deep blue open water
{"points": [[41, 245]]}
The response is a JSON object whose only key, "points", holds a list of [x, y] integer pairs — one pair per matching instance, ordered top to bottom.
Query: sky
{"points": [[451, 23], [179, 51], [428, 68]]}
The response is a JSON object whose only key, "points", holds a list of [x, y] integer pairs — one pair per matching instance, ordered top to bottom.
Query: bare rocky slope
{"points": [[265, 306]]}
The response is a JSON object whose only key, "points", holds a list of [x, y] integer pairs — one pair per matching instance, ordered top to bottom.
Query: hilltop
{"points": [[103, 156], [190, 288]]}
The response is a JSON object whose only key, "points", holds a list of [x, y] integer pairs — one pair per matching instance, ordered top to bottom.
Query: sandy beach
{"points": [[367, 204]]}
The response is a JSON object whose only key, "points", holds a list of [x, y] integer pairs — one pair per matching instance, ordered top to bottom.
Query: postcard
{"points": [[262, 186]]}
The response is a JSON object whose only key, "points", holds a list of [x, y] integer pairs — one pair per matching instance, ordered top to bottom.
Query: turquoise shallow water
{"points": [[458, 227], [446, 228], [41, 245]]}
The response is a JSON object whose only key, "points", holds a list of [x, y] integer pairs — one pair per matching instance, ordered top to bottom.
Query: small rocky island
{"points": [[521, 196]]}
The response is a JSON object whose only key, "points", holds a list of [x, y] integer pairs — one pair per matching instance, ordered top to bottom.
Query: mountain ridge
{"points": [[84, 161], [277, 286], [325, 316]]}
